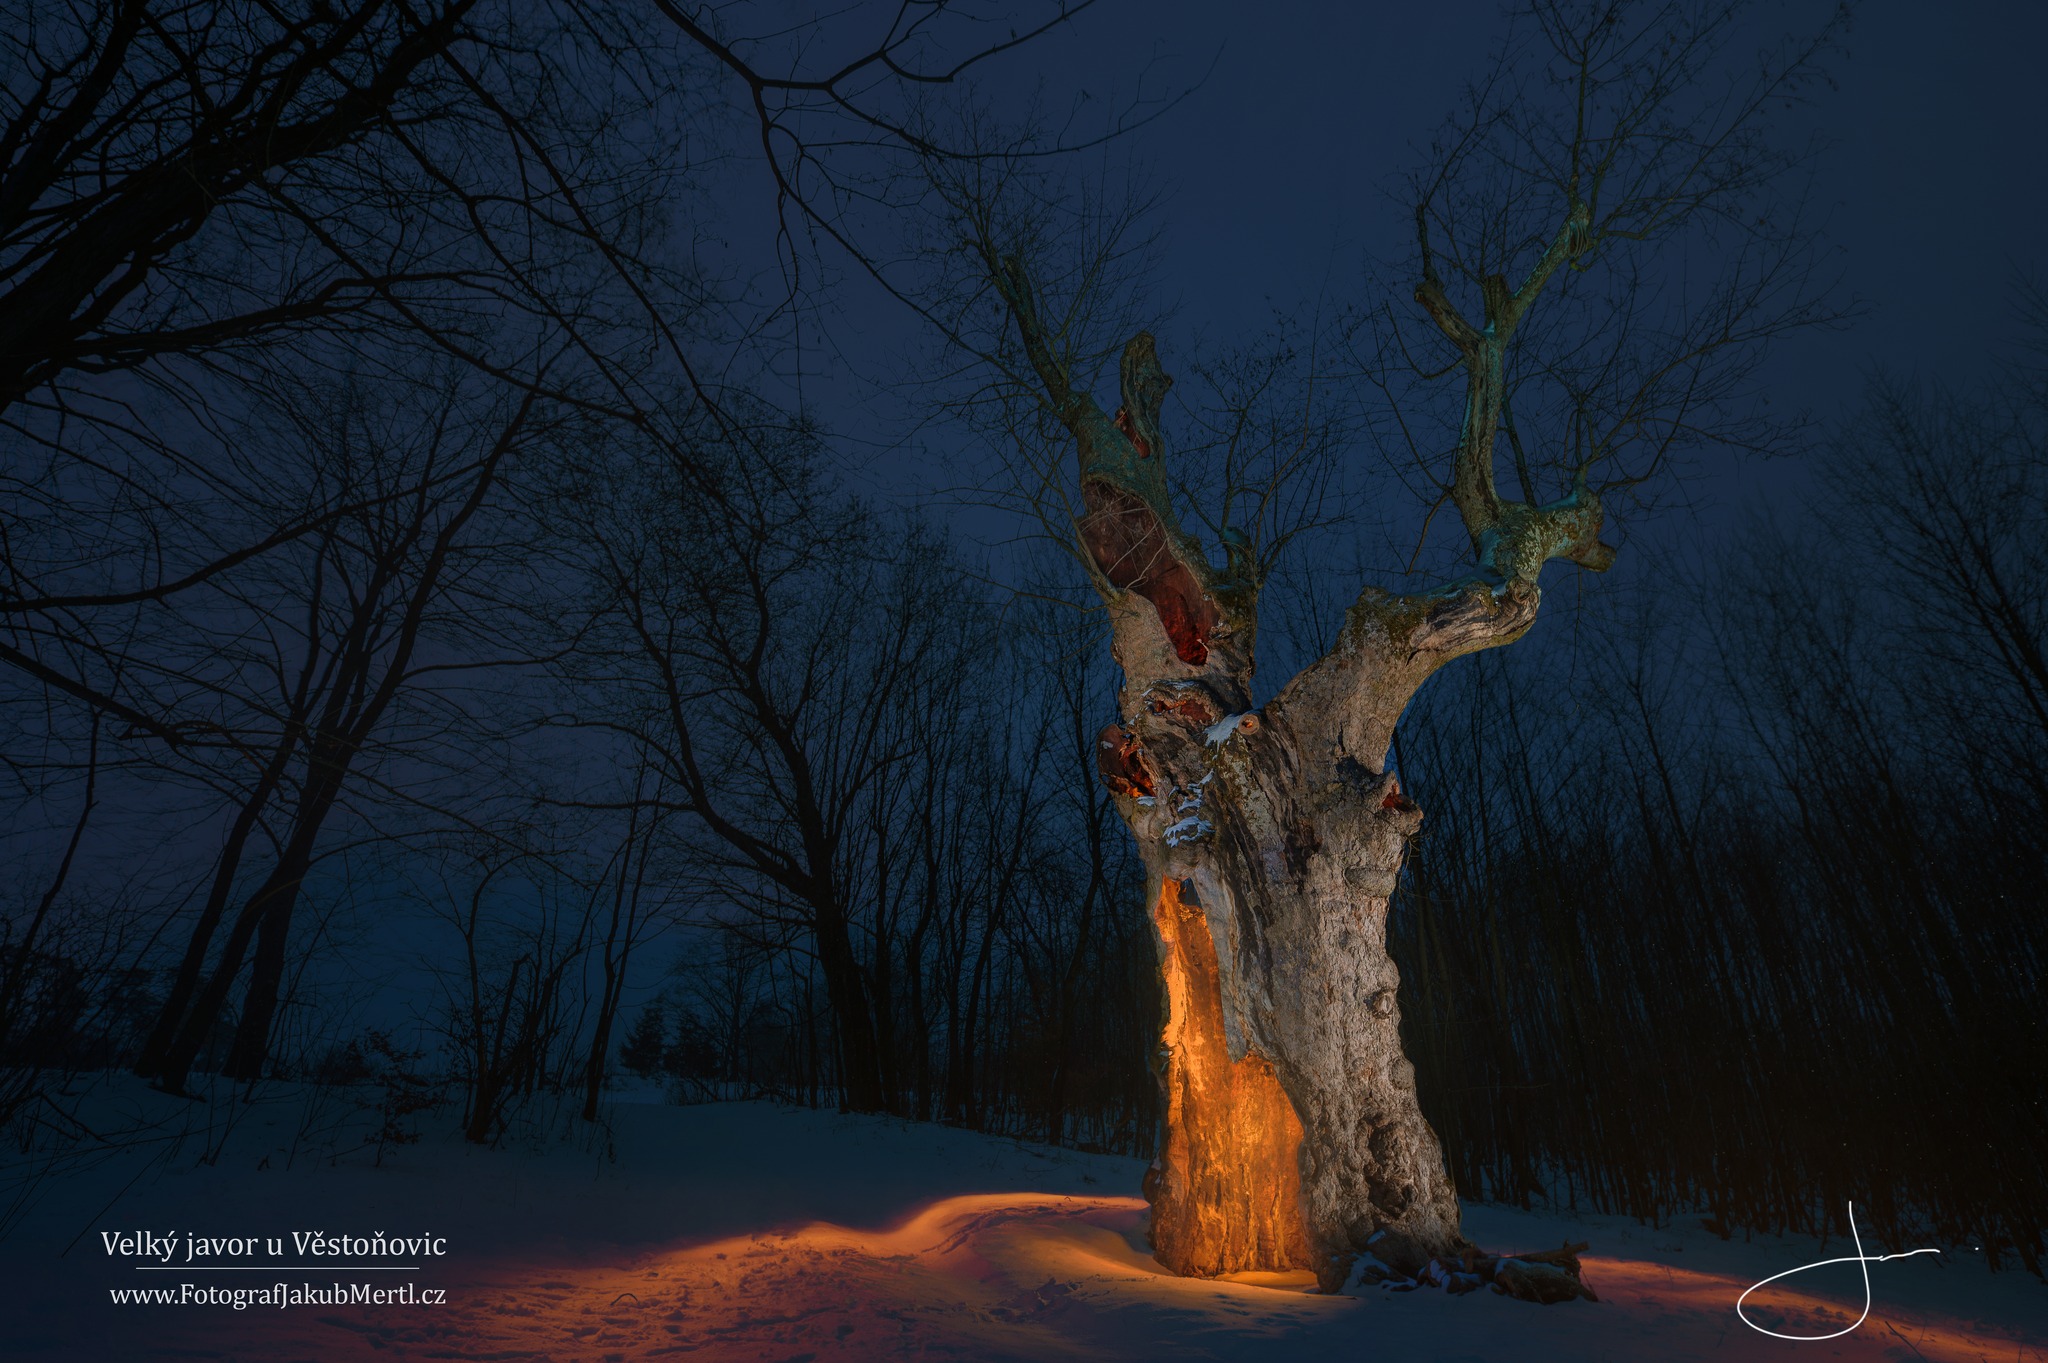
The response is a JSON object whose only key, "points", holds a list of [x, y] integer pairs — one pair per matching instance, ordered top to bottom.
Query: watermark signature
{"points": [[1859, 1258]]}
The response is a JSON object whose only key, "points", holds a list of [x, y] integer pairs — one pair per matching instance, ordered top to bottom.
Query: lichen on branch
{"points": [[1511, 540]]}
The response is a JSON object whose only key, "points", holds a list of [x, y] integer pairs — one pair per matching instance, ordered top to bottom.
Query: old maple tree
{"points": [[1272, 836]]}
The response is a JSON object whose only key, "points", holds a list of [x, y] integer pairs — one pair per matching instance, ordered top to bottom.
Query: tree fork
{"points": [[1273, 841]]}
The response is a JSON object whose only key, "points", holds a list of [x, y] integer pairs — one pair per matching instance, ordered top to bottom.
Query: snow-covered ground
{"points": [[752, 1231]]}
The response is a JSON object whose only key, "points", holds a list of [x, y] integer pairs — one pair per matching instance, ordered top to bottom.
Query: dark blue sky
{"points": [[1281, 175], [1935, 186]]}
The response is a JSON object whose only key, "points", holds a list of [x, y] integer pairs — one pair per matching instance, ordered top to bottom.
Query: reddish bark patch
{"points": [[1130, 430], [1129, 546], [1122, 762], [1226, 1192]]}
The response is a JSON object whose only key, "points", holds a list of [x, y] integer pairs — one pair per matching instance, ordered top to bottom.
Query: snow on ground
{"points": [[754, 1231]]}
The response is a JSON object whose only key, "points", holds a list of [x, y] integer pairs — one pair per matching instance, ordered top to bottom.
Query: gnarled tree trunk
{"points": [[1272, 840]]}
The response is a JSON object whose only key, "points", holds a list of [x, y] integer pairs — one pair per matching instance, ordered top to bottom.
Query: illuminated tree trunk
{"points": [[1272, 840]]}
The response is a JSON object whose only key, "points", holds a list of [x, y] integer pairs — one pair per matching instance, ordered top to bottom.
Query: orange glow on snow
{"points": [[1041, 1276], [1663, 1288]]}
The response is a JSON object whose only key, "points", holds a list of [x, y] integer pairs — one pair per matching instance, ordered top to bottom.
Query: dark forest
{"points": [[563, 555]]}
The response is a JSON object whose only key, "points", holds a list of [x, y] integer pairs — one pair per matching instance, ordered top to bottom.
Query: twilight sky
{"points": [[1281, 170], [1935, 187]]}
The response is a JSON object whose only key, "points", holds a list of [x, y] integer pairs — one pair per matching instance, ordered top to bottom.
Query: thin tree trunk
{"points": [[357, 698], [282, 883], [267, 917], [22, 952], [617, 954], [184, 987], [178, 1001], [251, 1046], [860, 1073]]}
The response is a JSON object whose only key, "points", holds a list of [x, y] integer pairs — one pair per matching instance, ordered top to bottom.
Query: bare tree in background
{"points": [[130, 125], [1603, 147], [186, 186], [205, 205], [1950, 489], [369, 598], [768, 660], [1793, 807], [636, 910]]}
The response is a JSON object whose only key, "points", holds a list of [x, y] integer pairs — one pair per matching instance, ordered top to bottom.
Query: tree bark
{"points": [[1272, 842], [1294, 1138]]}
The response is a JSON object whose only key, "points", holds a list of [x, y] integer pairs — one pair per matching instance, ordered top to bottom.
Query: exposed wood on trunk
{"points": [[1127, 542], [1273, 841], [1227, 1187]]}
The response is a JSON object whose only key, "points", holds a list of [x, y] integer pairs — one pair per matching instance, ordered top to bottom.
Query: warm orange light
{"points": [[1227, 1195], [1018, 1276], [1644, 1285]]}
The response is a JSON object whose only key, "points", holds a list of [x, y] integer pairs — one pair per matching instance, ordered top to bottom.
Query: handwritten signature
{"points": [[1859, 1258]]}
